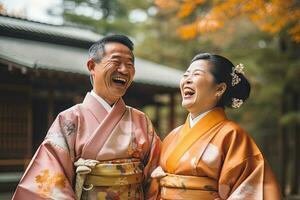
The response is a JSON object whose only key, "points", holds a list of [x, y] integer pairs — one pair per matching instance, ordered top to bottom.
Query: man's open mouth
{"points": [[119, 80]]}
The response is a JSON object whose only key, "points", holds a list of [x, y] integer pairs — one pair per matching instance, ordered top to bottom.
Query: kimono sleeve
{"points": [[50, 172], [245, 173], [151, 186]]}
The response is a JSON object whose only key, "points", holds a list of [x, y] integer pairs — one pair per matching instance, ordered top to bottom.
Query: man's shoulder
{"points": [[72, 111], [137, 112], [140, 116]]}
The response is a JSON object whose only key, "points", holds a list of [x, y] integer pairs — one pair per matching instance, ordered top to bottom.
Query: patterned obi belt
{"points": [[92, 173], [186, 187]]}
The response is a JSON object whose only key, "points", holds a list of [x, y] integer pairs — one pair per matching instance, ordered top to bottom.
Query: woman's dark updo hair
{"points": [[221, 70]]}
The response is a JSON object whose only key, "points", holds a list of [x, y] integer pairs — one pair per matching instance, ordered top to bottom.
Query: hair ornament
{"points": [[235, 78], [236, 103]]}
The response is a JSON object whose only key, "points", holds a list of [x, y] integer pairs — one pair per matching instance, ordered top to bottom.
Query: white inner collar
{"points": [[106, 106], [196, 119]]}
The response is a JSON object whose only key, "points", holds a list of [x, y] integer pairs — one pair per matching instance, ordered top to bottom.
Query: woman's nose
{"points": [[188, 79]]}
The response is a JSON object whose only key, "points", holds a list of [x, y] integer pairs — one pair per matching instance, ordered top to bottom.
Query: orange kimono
{"points": [[89, 153], [215, 159]]}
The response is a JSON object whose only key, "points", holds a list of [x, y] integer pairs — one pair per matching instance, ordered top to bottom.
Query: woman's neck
{"points": [[195, 114]]}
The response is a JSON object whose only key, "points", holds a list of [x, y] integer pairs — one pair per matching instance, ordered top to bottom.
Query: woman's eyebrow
{"points": [[201, 70]]}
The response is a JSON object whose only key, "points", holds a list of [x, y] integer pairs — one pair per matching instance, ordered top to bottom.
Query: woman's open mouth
{"points": [[188, 92]]}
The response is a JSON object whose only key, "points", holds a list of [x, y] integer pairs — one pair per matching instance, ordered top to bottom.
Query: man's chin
{"points": [[119, 88], [118, 94]]}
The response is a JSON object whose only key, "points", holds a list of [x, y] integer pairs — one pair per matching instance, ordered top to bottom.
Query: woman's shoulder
{"points": [[232, 127], [232, 130], [173, 133], [233, 135]]}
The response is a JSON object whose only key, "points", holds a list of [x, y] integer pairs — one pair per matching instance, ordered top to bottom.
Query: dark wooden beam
{"points": [[50, 107], [172, 112], [157, 120], [30, 128], [283, 149], [296, 160]]}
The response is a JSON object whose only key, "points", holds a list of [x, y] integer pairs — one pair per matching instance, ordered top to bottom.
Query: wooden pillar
{"points": [[50, 107], [172, 112], [157, 120], [29, 128], [283, 150], [297, 153], [296, 162]]}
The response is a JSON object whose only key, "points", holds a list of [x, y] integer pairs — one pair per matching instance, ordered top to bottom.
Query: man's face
{"points": [[114, 73]]}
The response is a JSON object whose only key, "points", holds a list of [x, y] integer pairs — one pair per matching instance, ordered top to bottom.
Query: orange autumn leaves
{"points": [[271, 16], [46, 182]]}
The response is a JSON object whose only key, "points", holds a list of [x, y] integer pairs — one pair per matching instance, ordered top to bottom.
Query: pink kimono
{"points": [[87, 131]]}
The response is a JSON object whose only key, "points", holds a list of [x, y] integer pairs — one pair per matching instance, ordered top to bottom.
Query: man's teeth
{"points": [[118, 79], [121, 79]]}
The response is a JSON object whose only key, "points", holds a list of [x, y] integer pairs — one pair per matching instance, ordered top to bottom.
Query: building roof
{"points": [[69, 32], [38, 54], [41, 55]]}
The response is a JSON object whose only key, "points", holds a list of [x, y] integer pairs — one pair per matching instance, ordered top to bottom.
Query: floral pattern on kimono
{"points": [[87, 131]]}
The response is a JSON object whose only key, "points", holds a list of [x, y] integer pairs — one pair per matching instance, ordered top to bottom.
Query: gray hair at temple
{"points": [[97, 50]]}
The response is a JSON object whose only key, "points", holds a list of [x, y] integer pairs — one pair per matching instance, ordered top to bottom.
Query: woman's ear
{"points": [[221, 88]]}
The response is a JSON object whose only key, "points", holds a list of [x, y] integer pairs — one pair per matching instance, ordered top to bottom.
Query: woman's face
{"points": [[198, 90]]}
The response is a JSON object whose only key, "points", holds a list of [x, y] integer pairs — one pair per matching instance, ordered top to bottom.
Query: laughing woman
{"points": [[210, 157]]}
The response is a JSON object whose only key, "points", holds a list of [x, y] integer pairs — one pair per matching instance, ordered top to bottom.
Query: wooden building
{"points": [[43, 71]]}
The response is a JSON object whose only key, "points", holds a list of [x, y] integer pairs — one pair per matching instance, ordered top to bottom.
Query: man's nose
{"points": [[122, 69]]}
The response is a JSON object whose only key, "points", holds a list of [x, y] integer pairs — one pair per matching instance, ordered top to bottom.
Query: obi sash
{"points": [[106, 174], [188, 187]]}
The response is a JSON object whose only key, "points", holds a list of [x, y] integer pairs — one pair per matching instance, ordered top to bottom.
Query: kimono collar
{"points": [[107, 107], [98, 110], [211, 117], [196, 119], [107, 122], [188, 136]]}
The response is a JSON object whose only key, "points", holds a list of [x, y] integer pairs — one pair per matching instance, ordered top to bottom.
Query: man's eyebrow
{"points": [[115, 56], [119, 57], [131, 59]]}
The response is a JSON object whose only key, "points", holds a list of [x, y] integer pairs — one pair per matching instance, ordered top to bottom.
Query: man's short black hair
{"points": [[96, 51]]}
